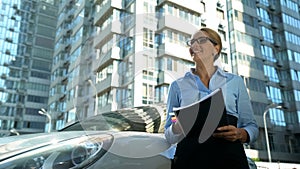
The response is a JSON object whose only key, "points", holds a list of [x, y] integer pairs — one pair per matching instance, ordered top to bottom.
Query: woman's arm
{"points": [[246, 116], [247, 128], [172, 131]]}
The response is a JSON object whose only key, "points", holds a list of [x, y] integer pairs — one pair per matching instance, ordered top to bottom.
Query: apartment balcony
{"points": [[193, 5], [62, 6], [109, 6], [79, 8], [60, 20], [179, 24], [78, 25], [114, 28], [76, 44], [59, 49], [174, 49], [88, 53], [112, 54], [75, 63], [58, 65], [294, 65], [3, 76], [167, 77], [56, 81], [75, 81], [109, 82], [285, 84], [296, 85], [21, 91], [54, 98], [77, 102], [289, 105], [8, 118]]}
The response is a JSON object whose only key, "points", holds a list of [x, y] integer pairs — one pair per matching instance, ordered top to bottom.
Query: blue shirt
{"points": [[190, 88]]}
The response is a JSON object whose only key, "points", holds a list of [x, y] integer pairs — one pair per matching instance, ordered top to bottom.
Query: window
{"points": [[220, 14], [267, 34], [148, 38], [268, 53], [169, 64], [41, 65], [271, 73], [148, 94], [274, 94], [37, 99], [277, 117]]}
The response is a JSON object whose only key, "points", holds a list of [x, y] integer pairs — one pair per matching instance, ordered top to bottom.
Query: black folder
{"points": [[200, 119]]}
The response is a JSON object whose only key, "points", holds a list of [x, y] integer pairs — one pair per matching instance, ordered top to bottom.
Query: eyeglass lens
{"points": [[200, 40]]}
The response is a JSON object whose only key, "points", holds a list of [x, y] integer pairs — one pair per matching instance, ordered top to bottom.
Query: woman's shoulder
{"points": [[232, 76], [182, 80]]}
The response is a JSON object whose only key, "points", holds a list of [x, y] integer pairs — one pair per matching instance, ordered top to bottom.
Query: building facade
{"points": [[263, 38], [26, 42]]}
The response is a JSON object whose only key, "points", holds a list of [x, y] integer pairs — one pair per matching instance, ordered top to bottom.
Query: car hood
{"points": [[129, 143]]}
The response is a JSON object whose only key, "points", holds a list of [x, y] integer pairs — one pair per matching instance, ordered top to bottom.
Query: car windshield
{"points": [[145, 118]]}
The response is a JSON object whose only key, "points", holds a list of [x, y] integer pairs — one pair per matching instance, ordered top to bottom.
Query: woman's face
{"points": [[202, 48]]}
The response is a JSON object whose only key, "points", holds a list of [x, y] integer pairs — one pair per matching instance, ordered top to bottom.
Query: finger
{"points": [[223, 128], [226, 133]]}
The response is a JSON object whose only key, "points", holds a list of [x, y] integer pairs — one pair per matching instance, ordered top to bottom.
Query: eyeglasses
{"points": [[200, 40]]}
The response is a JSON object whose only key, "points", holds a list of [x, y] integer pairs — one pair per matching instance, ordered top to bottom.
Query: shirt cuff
{"points": [[171, 137]]}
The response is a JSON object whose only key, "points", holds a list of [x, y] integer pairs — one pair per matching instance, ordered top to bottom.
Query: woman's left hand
{"points": [[231, 133]]}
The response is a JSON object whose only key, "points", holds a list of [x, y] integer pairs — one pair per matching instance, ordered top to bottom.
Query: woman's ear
{"points": [[217, 50]]}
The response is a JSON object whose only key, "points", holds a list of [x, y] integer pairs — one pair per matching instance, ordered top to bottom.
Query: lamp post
{"points": [[96, 99], [271, 106], [44, 112]]}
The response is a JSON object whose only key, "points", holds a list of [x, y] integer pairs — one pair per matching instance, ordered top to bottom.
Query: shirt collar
{"points": [[219, 72]]}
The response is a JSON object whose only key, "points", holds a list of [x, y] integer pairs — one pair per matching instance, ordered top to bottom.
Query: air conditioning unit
{"points": [[219, 4], [15, 6], [272, 7], [259, 19], [274, 25], [221, 26], [69, 32], [261, 38], [9, 40], [276, 44], [68, 47], [7, 51], [279, 63], [3, 76], [266, 78], [283, 84], [285, 105], [289, 127]]}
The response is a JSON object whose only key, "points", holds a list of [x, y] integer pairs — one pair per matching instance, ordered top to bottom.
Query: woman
{"points": [[224, 148]]}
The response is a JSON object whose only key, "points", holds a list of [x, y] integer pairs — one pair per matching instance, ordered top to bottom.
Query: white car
{"points": [[125, 139], [110, 140]]}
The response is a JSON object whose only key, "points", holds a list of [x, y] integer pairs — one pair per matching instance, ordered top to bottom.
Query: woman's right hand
{"points": [[176, 128]]}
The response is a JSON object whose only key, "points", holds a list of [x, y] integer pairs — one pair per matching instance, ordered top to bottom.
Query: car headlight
{"points": [[73, 153]]}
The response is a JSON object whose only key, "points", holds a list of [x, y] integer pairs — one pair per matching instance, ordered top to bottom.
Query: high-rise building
{"points": [[27, 29], [264, 35], [113, 54], [71, 74]]}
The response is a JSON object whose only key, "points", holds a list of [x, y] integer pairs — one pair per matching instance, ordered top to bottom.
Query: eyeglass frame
{"points": [[192, 41]]}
